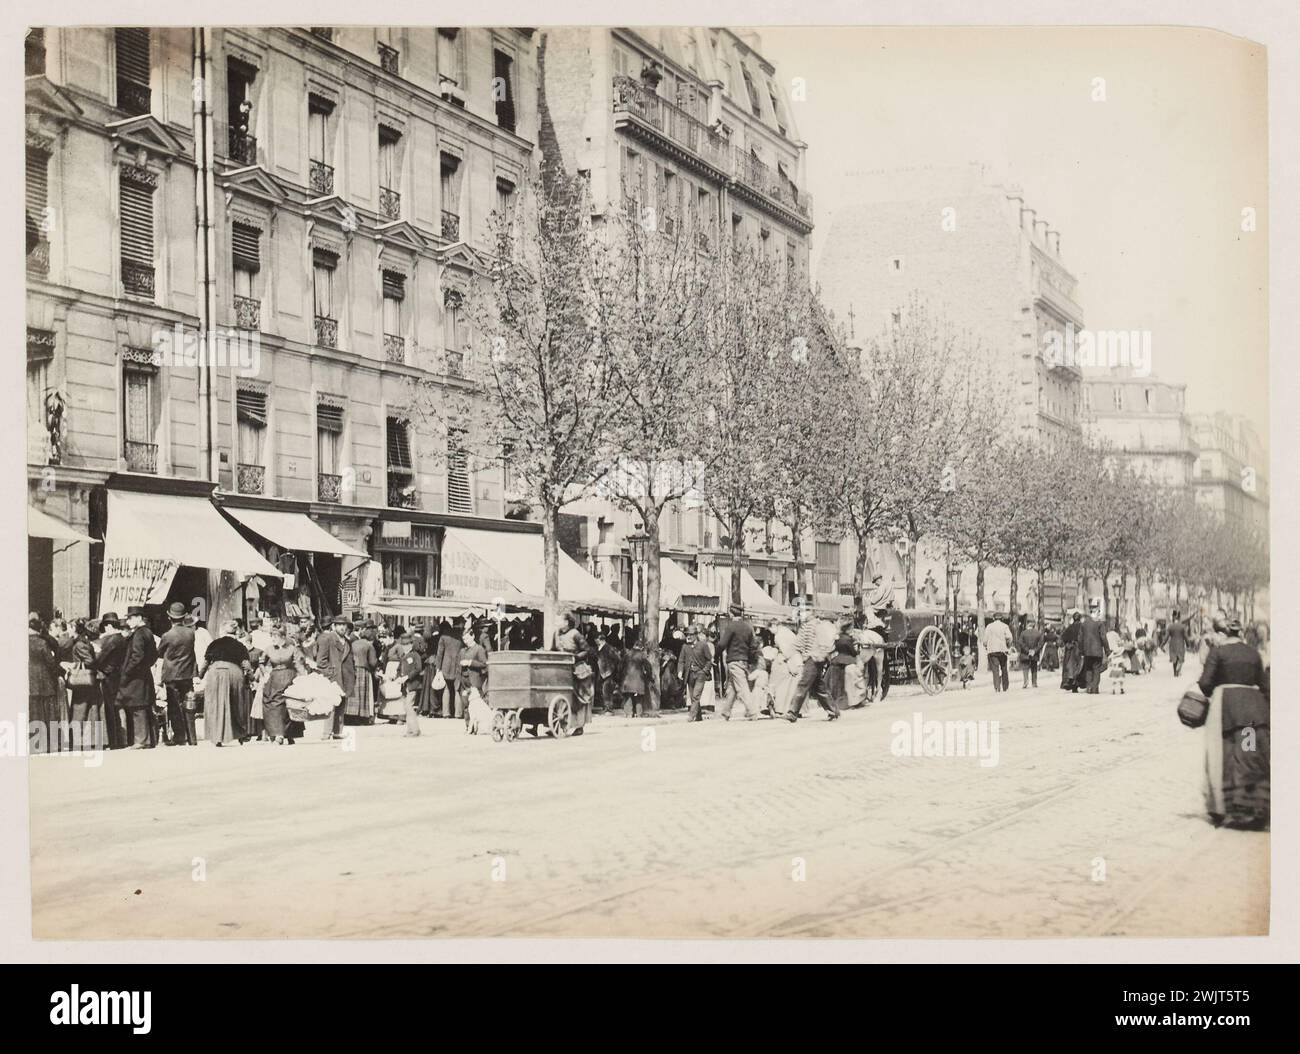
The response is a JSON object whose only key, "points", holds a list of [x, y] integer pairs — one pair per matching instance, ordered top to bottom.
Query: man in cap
{"points": [[816, 644], [176, 648], [738, 649], [334, 660], [694, 664], [135, 692]]}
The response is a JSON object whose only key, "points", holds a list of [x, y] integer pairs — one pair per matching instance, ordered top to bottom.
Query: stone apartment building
{"points": [[691, 128], [315, 200], [978, 253], [1144, 423], [1231, 471]]}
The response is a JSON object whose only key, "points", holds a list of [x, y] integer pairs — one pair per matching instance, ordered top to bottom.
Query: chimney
{"points": [[1028, 224], [1040, 236], [1054, 239]]}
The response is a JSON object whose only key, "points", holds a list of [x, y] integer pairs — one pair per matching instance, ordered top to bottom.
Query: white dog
{"points": [[478, 715]]}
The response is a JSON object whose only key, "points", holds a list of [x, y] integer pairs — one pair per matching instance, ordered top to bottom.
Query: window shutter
{"points": [[133, 55], [38, 182], [137, 218], [245, 241], [394, 285], [250, 407], [329, 418], [399, 445], [460, 498]]}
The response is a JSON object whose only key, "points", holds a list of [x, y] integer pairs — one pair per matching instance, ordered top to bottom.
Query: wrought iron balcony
{"points": [[388, 59], [132, 98], [641, 106], [243, 147], [322, 178], [760, 178], [390, 203], [450, 226], [38, 260], [137, 278], [248, 312], [327, 332], [394, 348], [455, 362], [141, 457], [250, 479], [329, 487], [400, 494]]}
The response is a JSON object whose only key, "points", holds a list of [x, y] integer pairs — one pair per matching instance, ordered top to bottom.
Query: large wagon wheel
{"points": [[933, 660], [560, 717], [498, 725]]}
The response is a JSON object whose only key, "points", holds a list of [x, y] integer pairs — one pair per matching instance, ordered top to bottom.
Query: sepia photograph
{"points": [[428, 426]]}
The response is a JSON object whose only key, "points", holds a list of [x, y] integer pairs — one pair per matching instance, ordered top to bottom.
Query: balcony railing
{"points": [[388, 59], [132, 98], [675, 124], [243, 147], [322, 178], [761, 178], [390, 203], [450, 226], [38, 260], [137, 278], [248, 312], [327, 332], [394, 348], [455, 362], [141, 457], [250, 479], [329, 487], [400, 496]]}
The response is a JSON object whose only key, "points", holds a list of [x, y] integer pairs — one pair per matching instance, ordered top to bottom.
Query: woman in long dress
{"points": [[282, 661], [225, 687], [361, 701], [87, 714], [1237, 750]]}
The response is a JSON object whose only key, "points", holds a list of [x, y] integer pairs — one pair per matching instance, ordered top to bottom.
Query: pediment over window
{"points": [[48, 99], [146, 133], [255, 182], [333, 209], [400, 232], [461, 257]]}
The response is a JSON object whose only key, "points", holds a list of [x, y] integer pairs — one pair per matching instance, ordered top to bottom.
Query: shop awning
{"points": [[42, 525], [293, 530], [508, 564], [678, 591], [753, 597], [433, 609]]}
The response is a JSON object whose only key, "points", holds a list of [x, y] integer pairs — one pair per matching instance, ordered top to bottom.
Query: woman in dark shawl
{"points": [[1072, 660], [282, 661], [225, 687], [1237, 749]]}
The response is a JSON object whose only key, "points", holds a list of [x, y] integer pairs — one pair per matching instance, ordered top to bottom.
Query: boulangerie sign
{"points": [[132, 580]]}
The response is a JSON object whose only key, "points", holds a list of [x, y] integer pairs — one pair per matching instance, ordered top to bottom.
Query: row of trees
{"points": [[630, 355]]}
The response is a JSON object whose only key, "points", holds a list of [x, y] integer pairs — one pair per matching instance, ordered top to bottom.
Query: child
{"points": [[966, 667], [1116, 671]]}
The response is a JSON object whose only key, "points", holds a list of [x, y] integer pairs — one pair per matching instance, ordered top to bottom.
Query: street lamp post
{"points": [[636, 545]]}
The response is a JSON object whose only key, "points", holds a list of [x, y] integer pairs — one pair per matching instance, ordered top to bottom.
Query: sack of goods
{"points": [[315, 693]]}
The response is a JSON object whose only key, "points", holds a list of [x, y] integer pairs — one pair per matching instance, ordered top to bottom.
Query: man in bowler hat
{"points": [[178, 664]]}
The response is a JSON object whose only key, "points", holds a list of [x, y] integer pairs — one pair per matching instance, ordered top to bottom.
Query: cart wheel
{"points": [[933, 660], [560, 717], [498, 725], [514, 725]]}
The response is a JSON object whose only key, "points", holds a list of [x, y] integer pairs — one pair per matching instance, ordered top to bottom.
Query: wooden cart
{"points": [[533, 688]]}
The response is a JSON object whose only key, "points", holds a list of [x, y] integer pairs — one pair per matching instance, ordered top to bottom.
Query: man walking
{"points": [[997, 642], [1177, 642], [816, 643], [738, 648], [1094, 649], [177, 651], [1031, 651], [334, 660], [694, 663], [135, 692]]}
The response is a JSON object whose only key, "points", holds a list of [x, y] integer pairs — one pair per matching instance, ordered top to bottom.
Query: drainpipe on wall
{"points": [[204, 192]]}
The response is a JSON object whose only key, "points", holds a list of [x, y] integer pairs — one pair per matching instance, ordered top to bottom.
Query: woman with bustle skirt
{"points": [[225, 688], [1237, 748]]}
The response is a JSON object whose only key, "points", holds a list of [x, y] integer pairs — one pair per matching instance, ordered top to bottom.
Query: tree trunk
{"points": [[737, 554], [796, 554], [551, 562], [860, 568], [911, 572], [1042, 585], [1015, 591], [979, 598], [1105, 599], [1122, 613], [650, 631]]}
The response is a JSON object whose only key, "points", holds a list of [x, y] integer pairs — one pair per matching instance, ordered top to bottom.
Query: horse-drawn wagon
{"points": [[912, 647]]}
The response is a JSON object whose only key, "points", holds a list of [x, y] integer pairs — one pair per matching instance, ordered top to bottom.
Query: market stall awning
{"points": [[42, 525], [293, 530], [150, 536], [509, 564], [678, 591], [753, 597], [428, 608]]}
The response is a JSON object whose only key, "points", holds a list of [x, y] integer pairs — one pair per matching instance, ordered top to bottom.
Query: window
{"points": [[132, 51], [34, 53], [388, 59], [623, 62], [450, 66], [503, 91], [755, 107], [776, 107], [239, 114], [321, 173], [449, 173], [136, 186], [38, 197], [505, 197], [634, 197], [390, 200], [667, 200], [245, 240], [323, 265], [394, 287], [455, 329], [38, 386], [250, 413], [138, 418], [329, 444], [460, 495], [405, 574]]}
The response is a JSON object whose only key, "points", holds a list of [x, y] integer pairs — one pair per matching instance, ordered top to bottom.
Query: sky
{"points": [[1146, 187]]}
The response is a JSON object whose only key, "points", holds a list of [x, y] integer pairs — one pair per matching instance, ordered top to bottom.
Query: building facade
{"points": [[312, 205], [976, 252], [1143, 422], [1231, 472]]}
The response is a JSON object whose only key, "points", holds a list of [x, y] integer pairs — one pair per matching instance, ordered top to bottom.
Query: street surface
{"points": [[1090, 824]]}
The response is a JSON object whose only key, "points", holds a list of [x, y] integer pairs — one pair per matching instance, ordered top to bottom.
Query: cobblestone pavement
{"points": [[1091, 823]]}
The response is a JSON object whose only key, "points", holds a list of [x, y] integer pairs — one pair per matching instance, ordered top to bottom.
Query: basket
{"points": [[301, 714]]}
